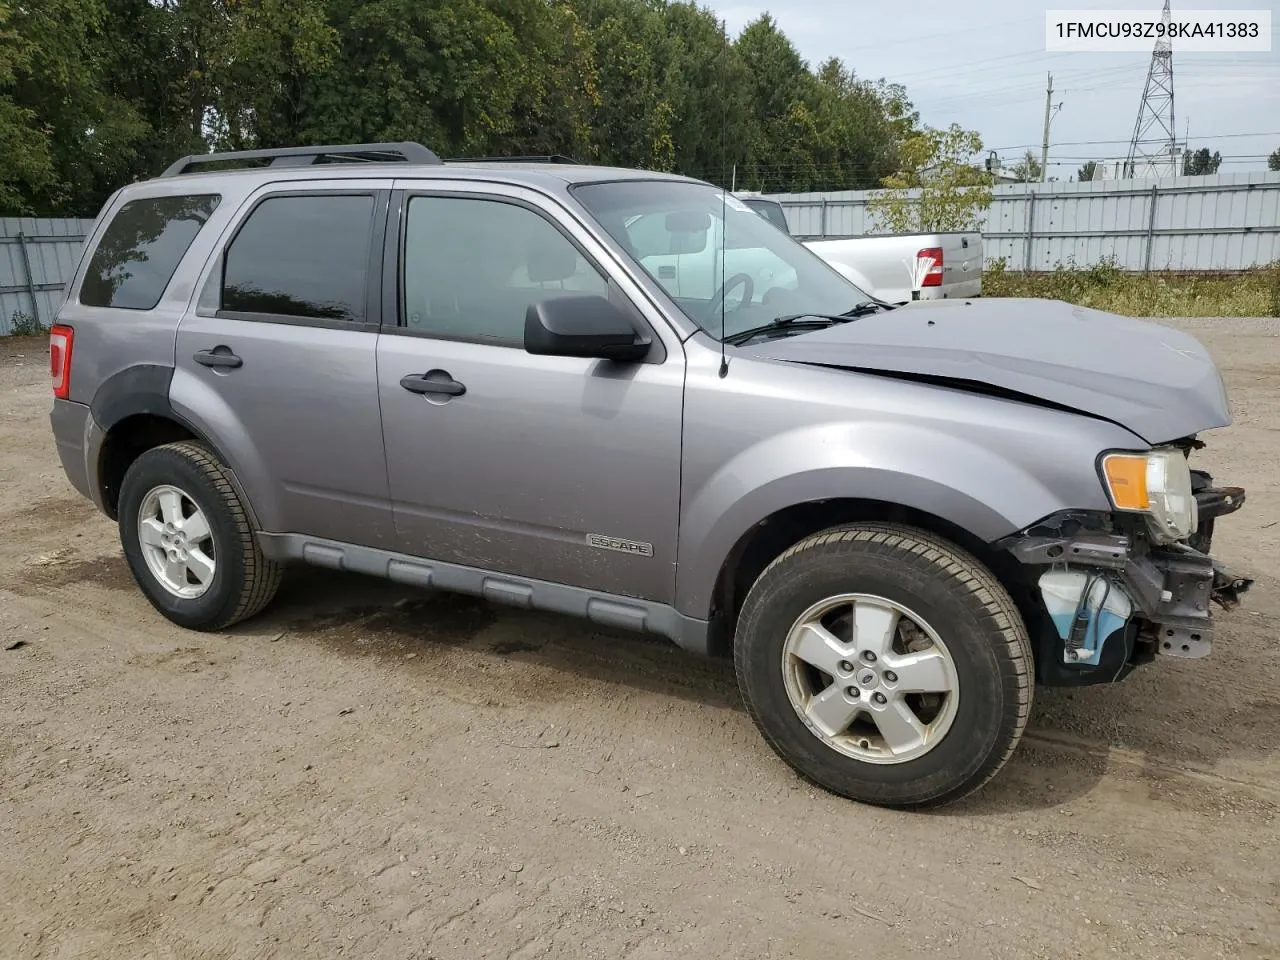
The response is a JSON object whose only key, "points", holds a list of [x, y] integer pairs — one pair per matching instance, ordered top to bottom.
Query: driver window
{"points": [[473, 266]]}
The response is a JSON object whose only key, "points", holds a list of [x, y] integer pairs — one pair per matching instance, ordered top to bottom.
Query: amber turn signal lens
{"points": [[1127, 480]]}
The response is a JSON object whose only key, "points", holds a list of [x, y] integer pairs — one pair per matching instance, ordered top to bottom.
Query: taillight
{"points": [[932, 264], [60, 339]]}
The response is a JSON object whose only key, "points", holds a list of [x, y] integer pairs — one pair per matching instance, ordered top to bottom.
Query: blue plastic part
{"points": [[1103, 624]]}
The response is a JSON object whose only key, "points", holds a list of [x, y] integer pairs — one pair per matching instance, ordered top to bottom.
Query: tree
{"points": [[445, 74], [555, 76], [708, 87], [779, 88], [98, 93], [58, 113], [632, 114], [858, 127], [1273, 161], [1200, 163], [28, 164], [1028, 169], [1087, 172], [938, 188]]}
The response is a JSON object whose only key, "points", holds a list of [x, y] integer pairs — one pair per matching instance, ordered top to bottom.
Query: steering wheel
{"points": [[737, 280]]}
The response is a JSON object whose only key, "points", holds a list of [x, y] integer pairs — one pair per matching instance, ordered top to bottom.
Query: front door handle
{"points": [[218, 358], [434, 382]]}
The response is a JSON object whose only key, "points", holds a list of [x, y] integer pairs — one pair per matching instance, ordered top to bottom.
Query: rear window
{"points": [[770, 211], [141, 248], [302, 257]]}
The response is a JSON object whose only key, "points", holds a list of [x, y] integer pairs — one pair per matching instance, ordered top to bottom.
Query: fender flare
{"points": [[140, 389], [143, 389]]}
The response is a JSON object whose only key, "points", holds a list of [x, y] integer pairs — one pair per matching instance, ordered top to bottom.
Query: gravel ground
{"points": [[365, 771]]}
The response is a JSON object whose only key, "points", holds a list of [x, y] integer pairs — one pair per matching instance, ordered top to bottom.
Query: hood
{"points": [[1158, 382]]}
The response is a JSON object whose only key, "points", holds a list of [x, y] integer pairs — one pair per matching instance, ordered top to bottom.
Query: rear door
{"points": [[276, 361], [554, 468]]}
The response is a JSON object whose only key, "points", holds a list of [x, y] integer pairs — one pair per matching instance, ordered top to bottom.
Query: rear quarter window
{"points": [[141, 248]]}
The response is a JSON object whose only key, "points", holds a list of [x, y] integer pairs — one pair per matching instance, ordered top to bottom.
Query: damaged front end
{"points": [[1103, 596]]}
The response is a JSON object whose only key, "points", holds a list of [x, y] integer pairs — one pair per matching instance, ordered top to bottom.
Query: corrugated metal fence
{"points": [[1222, 222], [37, 257]]}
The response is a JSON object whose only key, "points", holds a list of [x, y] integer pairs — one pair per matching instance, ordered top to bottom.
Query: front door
{"points": [[277, 362], [554, 468]]}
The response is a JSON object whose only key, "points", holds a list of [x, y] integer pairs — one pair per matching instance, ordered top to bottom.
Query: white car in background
{"points": [[896, 268]]}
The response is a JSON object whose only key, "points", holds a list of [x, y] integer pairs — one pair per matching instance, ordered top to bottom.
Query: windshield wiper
{"points": [[868, 307], [803, 321], [815, 321]]}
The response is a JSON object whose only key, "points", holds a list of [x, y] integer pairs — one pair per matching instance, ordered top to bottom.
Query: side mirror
{"points": [[582, 326]]}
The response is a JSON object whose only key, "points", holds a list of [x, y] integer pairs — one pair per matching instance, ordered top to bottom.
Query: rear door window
{"points": [[141, 248], [302, 257]]}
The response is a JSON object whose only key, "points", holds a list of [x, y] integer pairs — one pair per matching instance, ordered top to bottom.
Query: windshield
{"points": [[674, 230]]}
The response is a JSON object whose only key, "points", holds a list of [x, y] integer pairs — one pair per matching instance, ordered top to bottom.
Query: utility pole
{"points": [[1044, 149]]}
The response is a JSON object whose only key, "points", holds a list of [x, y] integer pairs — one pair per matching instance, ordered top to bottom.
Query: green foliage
{"points": [[98, 93], [56, 121], [827, 129], [1273, 161], [1200, 163], [27, 166], [1027, 170], [1087, 172], [939, 187], [1104, 286], [24, 325]]}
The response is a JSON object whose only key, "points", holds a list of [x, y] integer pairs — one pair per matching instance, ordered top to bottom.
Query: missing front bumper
{"points": [[1171, 589]]}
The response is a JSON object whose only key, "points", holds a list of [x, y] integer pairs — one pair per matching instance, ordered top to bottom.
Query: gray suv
{"points": [[623, 395]]}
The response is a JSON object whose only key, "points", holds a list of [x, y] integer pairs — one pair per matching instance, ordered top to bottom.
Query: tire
{"points": [[238, 583], [962, 739]]}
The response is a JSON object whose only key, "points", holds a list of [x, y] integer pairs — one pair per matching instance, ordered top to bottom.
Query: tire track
{"points": [[1144, 763]]}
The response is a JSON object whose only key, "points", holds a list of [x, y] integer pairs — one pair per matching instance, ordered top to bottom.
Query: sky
{"points": [[983, 64]]}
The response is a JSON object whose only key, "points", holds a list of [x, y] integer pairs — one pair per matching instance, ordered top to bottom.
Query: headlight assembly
{"points": [[1156, 483]]}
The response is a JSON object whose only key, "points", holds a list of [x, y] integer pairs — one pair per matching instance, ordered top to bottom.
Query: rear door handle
{"points": [[218, 357], [422, 383]]}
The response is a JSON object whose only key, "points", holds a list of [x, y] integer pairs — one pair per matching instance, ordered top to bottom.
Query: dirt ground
{"points": [[366, 771]]}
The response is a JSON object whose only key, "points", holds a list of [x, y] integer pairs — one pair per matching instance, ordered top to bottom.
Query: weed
{"points": [[1104, 286], [25, 325]]}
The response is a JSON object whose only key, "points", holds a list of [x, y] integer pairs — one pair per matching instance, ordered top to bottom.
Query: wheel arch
{"points": [[133, 413], [769, 537]]}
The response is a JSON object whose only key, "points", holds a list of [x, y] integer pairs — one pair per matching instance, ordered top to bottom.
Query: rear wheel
{"points": [[188, 540], [885, 664]]}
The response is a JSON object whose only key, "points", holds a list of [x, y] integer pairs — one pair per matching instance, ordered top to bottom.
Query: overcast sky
{"points": [[983, 64]]}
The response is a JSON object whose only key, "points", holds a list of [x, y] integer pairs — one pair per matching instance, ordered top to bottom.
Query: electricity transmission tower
{"points": [[1154, 145]]}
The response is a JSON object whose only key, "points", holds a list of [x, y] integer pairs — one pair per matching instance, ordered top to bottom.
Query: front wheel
{"points": [[886, 665]]}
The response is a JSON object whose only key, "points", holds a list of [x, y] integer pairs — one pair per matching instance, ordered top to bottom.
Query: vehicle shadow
{"points": [[1074, 739]]}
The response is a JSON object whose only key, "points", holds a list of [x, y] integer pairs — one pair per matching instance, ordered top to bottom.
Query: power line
{"points": [[916, 40], [1006, 92], [1101, 143]]}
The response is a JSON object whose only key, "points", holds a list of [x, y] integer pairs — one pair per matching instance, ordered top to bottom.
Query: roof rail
{"points": [[404, 152], [553, 158]]}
